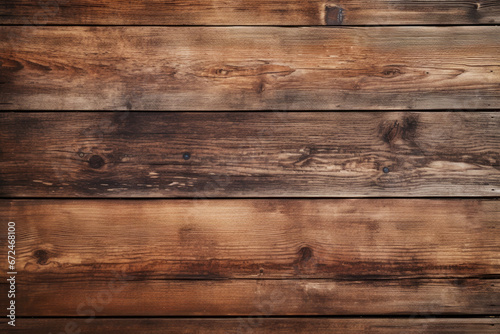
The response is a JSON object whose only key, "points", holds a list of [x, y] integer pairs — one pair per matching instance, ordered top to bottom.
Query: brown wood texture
{"points": [[256, 12], [249, 68], [250, 154], [384, 219], [65, 240], [123, 297], [261, 326]]}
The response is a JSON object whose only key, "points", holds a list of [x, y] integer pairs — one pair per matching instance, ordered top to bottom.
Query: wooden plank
{"points": [[256, 12], [249, 68], [250, 154], [64, 240], [246, 297], [261, 325]]}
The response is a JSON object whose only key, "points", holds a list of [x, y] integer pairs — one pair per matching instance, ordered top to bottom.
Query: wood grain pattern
{"points": [[256, 12], [249, 68], [250, 154], [166, 222], [64, 240], [246, 297], [262, 326]]}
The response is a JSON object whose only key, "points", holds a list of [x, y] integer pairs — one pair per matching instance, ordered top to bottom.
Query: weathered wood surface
{"points": [[256, 12], [249, 68], [250, 154], [64, 240], [123, 297], [261, 325]]}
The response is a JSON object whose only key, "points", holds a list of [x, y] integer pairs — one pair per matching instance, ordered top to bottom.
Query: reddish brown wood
{"points": [[249, 68], [64, 240], [139, 297], [262, 325]]}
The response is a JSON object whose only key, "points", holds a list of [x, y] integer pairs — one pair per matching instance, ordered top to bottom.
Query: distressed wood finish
{"points": [[256, 12], [249, 68], [250, 154], [279, 222], [64, 240], [71, 254], [245, 297], [262, 325]]}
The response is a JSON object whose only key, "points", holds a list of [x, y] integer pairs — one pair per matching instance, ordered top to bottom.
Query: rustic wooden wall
{"points": [[378, 216]]}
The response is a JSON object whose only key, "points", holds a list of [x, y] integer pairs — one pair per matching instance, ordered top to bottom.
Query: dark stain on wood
{"points": [[475, 11], [257, 12], [334, 15], [409, 128], [405, 129], [390, 131], [142, 154], [96, 162], [305, 255], [42, 256], [265, 325]]}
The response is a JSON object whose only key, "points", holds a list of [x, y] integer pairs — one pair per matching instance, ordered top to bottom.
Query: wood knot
{"points": [[474, 13], [334, 15], [11, 65], [222, 71], [231, 71], [391, 71], [261, 87], [410, 125], [406, 129], [390, 132], [307, 154], [96, 162], [305, 254], [41, 256], [305, 261]]}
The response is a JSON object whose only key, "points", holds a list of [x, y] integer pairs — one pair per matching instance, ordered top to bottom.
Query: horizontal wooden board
{"points": [[256, 12], [249, 68], [250, 154], [62, 240], [122, 297], [260, 325]]}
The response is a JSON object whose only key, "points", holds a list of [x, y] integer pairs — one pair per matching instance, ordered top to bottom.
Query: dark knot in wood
{"points": [[96, 162]]}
